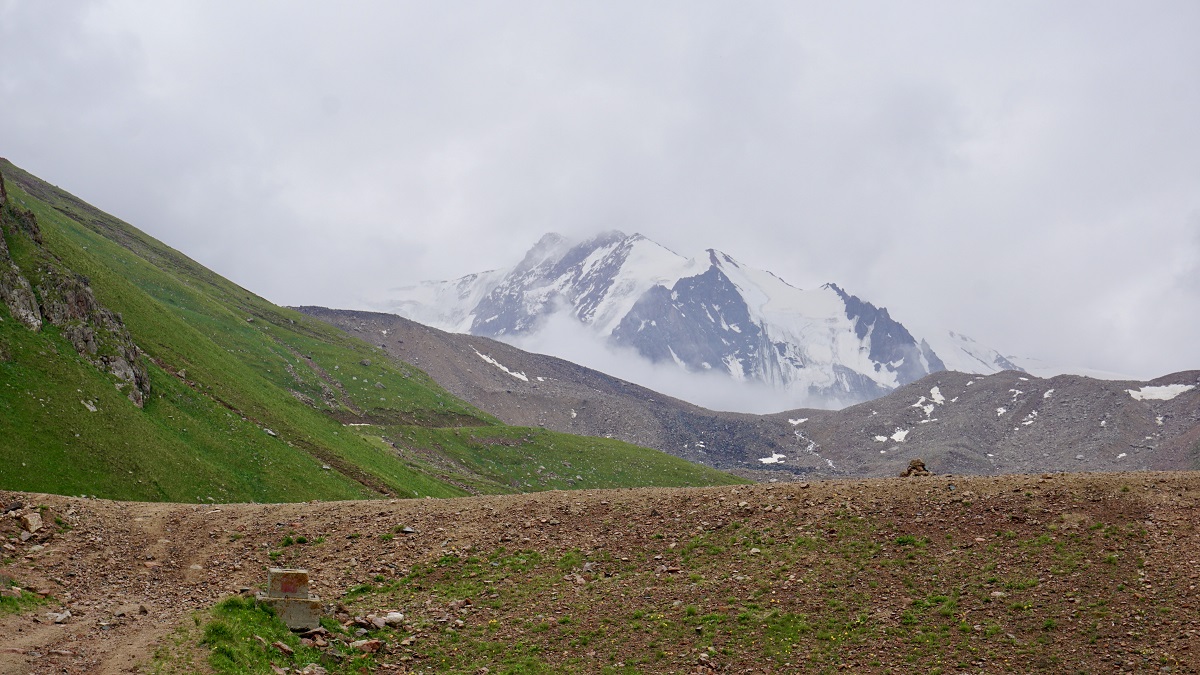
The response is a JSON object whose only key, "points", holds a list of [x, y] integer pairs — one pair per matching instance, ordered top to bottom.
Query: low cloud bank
{"points": [[562, 335]]}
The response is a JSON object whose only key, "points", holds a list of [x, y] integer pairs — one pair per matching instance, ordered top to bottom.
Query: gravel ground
{"points": [[130, 573]]}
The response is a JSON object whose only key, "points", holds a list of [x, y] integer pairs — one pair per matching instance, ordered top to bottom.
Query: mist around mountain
{"points": [[709, 329]]}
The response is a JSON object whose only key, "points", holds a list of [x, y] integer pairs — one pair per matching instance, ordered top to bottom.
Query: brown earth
{"points": [[1123, 599]]}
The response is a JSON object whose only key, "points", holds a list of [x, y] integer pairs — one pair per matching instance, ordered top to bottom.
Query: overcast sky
{"points": [[1026, 173]]}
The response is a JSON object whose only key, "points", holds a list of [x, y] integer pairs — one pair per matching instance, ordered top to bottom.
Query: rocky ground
{"points": [[1051, 573]]}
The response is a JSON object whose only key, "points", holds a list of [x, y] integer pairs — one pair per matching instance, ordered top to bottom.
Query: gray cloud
{"points": [[1022, 172]]}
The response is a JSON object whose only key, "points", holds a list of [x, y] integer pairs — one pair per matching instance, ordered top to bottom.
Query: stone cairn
{"points": [[916, 467]]}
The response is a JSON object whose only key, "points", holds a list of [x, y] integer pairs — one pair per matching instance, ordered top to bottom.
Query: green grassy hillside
{"points": [[247, 400]]}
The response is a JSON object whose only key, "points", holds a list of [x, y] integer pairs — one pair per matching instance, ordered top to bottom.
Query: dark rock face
{"points": [[65, 299], [702, 322], [891, 343]]}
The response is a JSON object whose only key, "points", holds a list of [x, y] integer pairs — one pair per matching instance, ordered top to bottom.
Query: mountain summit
{"points": [[709, 313]]}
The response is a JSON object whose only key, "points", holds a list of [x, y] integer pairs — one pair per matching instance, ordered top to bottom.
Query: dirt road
{"points": [[130, 573]]}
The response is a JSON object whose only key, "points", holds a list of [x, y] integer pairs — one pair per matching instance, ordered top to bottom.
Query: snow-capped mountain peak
{"points": [[709, 313]]}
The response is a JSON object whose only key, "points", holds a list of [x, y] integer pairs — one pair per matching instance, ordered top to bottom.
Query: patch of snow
{"points": [[494, 362], [541, 379], [1023, 379], [970, 382], [1163, 393], [936, 394], [1048, 394], [954, 400], [927, 407], [1000, 411], [573, 414], [802, 420], [1159, 420], [1103, 423], [900, 434], [881, 439], [883, 452], [1121, 455], [775, 458]]}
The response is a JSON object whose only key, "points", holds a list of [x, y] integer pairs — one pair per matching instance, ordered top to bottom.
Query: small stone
{"points": [[32, 521], [755, 551], [59, 617], [367, 646], [283, 648]]}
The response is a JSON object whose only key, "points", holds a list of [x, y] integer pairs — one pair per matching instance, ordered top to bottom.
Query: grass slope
{"points": [[249, 401]]}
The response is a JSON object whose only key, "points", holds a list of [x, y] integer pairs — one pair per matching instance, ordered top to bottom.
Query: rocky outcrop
{"points": [[15, 290], [64, 299]]}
